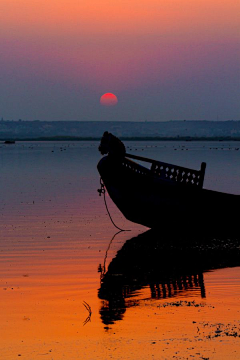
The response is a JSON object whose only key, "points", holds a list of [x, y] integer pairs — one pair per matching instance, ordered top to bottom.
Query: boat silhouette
{"points": [[162, 193]]}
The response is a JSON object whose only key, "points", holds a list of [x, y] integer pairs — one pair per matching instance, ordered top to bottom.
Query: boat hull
{"points": [[146, 199]]}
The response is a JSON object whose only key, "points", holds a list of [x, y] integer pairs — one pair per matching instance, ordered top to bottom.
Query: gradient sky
{"points": [[163, 59]]}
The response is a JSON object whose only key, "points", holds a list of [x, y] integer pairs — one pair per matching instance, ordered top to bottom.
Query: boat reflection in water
{"points": [[169, 266]]}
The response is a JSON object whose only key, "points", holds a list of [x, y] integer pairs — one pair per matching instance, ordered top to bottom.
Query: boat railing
{"points": [[174, 173]]}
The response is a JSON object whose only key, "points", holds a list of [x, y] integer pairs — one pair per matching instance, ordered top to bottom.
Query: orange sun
{"points": [[108, 99]]}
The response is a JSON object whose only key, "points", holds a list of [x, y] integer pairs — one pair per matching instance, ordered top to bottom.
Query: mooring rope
{"points": [[101, 191]]}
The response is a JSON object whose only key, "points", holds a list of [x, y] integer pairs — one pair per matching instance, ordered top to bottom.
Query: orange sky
{"points": [[65, 20]]}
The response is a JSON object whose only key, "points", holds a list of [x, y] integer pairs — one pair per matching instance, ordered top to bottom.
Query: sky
{"points": [[163, 59]]}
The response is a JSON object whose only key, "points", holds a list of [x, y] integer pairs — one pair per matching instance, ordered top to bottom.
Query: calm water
{"points": [[54, 234]]}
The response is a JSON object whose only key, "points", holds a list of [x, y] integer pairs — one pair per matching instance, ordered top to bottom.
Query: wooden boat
{"points": [[9, 142], [164, 194]]}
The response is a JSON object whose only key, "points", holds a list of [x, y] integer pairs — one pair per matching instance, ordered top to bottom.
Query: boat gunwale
{"points": [[173, 173]]}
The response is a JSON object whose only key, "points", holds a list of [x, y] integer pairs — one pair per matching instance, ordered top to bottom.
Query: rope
{"points": [[103, 191]]}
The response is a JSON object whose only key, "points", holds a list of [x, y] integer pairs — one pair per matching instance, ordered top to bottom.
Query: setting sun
{"points": [[108, 99]]}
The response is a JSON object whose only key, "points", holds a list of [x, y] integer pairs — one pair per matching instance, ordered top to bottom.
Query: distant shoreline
{"points": [[139, 131], [124, 138]]}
